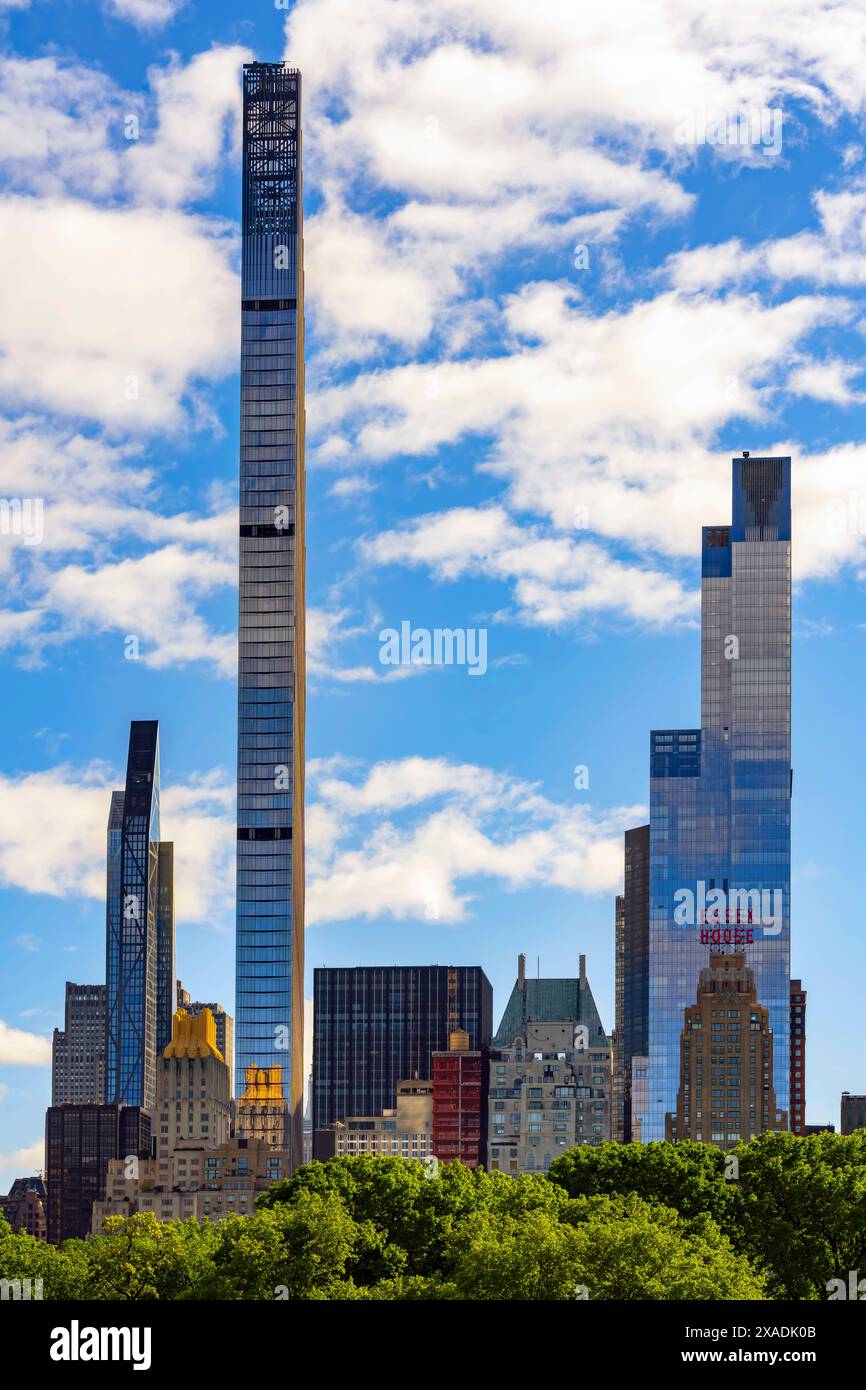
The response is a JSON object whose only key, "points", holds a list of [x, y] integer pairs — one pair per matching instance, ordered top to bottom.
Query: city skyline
{"points": [[528, 370]]}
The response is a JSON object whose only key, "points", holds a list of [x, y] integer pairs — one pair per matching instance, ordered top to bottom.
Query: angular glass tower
{"points": [[720, 810], [139, 928], [269, 1003]]}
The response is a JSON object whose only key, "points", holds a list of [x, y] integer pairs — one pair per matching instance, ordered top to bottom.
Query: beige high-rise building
{"points": [[225, 1025], [78, 1049], [551, 1076], [192, 1084], [548, 1092], [726, 1092], [199, 1170]]}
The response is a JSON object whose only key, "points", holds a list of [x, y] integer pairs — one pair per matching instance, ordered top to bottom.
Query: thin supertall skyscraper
{"points": [[720, 821], [140, 969], [269, 1002]]}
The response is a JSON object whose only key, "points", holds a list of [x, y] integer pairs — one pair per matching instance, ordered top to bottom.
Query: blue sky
{"points": [[542, 315]]}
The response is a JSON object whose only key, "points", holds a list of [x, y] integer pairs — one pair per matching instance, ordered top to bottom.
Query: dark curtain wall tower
{"points": [[271, 676], [632, 975], [376, 1025]]}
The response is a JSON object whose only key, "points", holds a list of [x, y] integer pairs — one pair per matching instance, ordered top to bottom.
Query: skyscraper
{"points": [[720, 799], [165, 967], [140, 971], [632, 976], [269, 1002], [224, 1023], [374, 1026], [78, 1049], [192, 1088], [726, 1090], [80, 1142], [195, 1159]]}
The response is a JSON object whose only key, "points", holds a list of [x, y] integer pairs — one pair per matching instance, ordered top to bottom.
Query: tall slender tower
{"points": [[720, 818], [139, 928], [632, 969], [269, 1002]]}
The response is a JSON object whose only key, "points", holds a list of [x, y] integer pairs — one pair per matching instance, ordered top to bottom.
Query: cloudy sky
{"points": [[548, 296]]}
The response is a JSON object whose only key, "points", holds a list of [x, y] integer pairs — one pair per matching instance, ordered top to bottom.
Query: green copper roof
{"points": [[549, 1001]]}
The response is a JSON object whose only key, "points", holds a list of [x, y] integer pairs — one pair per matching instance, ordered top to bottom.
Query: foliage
{"points": [[688, 1177], [800, 1211], [779, 1218], [24, 1257], [141, 1258]]}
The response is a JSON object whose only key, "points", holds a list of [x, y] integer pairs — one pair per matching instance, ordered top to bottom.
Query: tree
{"points": [[688, 1177], [800, 1210], [412, 1213], [608, 1248], [292, 1250], [22, 1257], [139, 1257]]}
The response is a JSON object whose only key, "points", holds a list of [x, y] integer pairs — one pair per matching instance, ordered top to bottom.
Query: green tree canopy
{"points": [[688, 1177], [800, 1210]]}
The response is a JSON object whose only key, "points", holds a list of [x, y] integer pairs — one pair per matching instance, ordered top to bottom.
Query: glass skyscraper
{"points": [[720, 812], [139, 928], [632, 971], [269, 1000], [374, 1026]]}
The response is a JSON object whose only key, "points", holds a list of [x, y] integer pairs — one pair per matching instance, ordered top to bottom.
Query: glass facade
{"points": [[271, 676], [720, 799], [139, 928], [632, 974], [166, 983], [374, 1026], [80, 1142]]}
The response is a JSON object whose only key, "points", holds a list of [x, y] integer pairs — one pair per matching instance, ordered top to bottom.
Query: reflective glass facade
{"points": [[271, 676], [720, 799], [139, 928], [632, 974], [166, 975], [374, 1026], [80, 1142]]}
